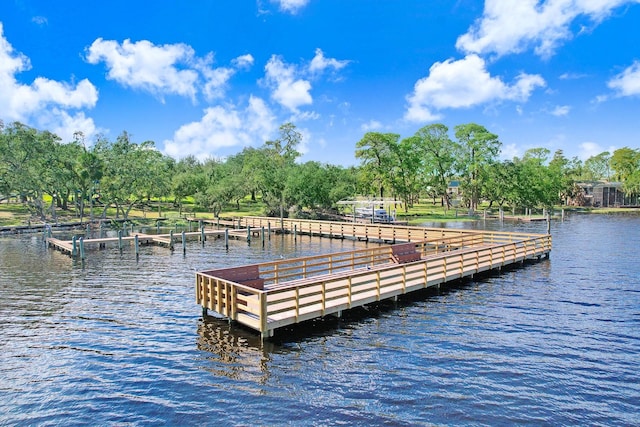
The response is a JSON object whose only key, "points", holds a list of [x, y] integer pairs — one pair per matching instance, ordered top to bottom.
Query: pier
{"points": [[76, 246], [272, 295]]}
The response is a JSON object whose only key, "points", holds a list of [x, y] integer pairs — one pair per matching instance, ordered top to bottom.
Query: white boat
{"points": [[379, 215]]}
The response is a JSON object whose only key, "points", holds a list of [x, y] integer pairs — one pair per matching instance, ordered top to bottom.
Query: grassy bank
{"points": [[17, 214]]}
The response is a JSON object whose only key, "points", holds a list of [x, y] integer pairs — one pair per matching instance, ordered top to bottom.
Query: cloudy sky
{"points": [[209, 77]]}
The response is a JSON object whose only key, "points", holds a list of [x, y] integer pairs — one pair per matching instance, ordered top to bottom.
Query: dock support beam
{"points": [[81, 248]]}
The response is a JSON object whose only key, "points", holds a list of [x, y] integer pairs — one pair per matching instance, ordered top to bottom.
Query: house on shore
{"points": [[600, 194]]}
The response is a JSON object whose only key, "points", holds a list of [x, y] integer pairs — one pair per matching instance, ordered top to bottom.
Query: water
{"points": [[120, 342]]}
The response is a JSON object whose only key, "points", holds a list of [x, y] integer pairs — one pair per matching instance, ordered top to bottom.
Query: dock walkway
{"points": [[271, 295]]}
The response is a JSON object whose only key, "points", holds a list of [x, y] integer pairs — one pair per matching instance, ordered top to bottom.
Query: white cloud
{"points": [[291, 6], [39, 20], [514, 26], [243, 61], [319, 63], [143, 65], [170, 69], [627, 83], [462, 84], [287, 89], [45, 103], [561, 110], [65, 125], [371, 125], [223, 126], [590, 149], [509, 151]]}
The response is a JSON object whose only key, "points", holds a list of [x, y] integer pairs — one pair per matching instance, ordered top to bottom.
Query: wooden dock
{"points": [[72, 247], [271, 295]]}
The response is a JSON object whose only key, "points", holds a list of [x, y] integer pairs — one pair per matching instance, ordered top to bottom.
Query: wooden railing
{"points": [[304, 288]]}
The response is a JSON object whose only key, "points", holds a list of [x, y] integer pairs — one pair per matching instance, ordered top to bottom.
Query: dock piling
{"points": [[226, 238], [120, 240], [184, 243], [136, 244], [81, 248], [74, 250]]}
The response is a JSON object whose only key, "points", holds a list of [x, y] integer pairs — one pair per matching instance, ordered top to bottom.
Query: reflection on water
{"points": [[115, 340], [235, 353]]}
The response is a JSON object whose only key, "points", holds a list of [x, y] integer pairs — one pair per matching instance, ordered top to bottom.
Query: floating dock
{"points": [[271, 295]]}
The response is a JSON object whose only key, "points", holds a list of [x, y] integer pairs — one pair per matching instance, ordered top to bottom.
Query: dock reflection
{"points": [[234, 352]]}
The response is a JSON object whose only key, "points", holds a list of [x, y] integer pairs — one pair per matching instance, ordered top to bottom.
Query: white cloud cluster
{"points": [[291, 6], [508, 27], [320, 63], [170, 69], [627, 83], [462, 84], [291, 86], [287, 89], [44, 103], [561, 110], [223, 126]]}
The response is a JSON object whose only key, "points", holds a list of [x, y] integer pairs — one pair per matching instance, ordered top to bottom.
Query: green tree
{"points": [[479, 152], [438, 154], [377, 158], [275, 166], [597, 167]]}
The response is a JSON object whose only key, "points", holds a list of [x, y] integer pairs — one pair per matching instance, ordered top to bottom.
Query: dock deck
{"points": [[271, 295]]}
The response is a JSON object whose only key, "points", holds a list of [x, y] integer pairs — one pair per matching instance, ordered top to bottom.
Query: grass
{"points": [[17, 214]]}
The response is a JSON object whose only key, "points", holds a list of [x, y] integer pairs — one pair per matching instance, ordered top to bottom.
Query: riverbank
{"points": [[16, 218]]}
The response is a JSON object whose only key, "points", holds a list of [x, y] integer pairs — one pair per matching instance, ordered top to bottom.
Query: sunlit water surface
{"points": [[121, 342]]}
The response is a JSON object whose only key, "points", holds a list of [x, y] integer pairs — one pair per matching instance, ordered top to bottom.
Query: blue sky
{"points": [[208, 78]]}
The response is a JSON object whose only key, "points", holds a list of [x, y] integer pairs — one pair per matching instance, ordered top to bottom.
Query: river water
{"points": [[121, 342]]}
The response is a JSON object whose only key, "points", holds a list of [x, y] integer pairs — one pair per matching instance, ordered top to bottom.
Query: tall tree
{"points": [[479, 151], [376, 156], [438, 157], [279, 159], [598, 167]]}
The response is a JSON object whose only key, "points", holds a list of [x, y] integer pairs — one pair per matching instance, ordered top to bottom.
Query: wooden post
{"points": [[548, 222], [269, 229], [295, 232], [248, 234], [262, 234], [203, 237], [226, 238], [171, 239], [120, 240], [135, 240], [184, 242], [81, 248], [74, 251]]}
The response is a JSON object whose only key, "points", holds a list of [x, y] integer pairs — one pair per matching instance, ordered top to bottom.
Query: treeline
{"points": [[122, 174]]}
